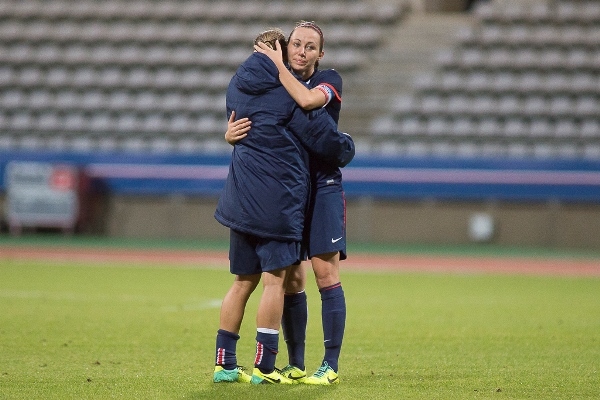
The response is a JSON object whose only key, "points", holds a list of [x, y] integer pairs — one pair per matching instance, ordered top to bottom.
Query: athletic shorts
{"points": [[327, 228], [249, 254]]}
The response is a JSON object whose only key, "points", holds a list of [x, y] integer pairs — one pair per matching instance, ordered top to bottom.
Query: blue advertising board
{"points": [[376, 177]]}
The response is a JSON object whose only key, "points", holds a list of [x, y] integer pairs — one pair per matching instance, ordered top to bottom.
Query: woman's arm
{"points": [[306, 98], [236, 130]]}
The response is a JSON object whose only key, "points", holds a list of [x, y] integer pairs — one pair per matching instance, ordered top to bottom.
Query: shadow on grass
{"points": [[228, 391]]}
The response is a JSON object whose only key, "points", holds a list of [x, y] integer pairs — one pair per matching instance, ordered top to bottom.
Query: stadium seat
{"points": [[30, 76], [58, 76], [452, 81], [477, 81], [504, 82], [13, 99], [40, 99], [94, 100], [432, 104], [458, 104], [484, 105], [509, 105], [535, 105], [561, 105], [22, 121], [49, 121], [102, 121], [154, 123], [410, 126], [437, 126], [463, 126], [489, 127], [515, 127], [540, 128], [566, 128], [590, 128], [30, 142], [518, 150], [591, 151]]}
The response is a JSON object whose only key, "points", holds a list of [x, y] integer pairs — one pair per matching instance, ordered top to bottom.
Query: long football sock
{"points": [[333, 314], [294, 321], [267, 343], [226, 347]]}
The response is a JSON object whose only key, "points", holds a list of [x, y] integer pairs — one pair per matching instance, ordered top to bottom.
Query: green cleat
{"points": [[294, 373], [230, 375], [325, 375], [259, 377]]}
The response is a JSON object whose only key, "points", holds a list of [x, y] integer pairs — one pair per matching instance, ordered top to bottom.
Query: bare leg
{"points": [[327, 269], [296, 279], [234, 303], [270, 308]]}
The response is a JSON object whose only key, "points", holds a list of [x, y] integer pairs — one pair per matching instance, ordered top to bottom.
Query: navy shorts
{"points": [[327, 228], [249, 254]]}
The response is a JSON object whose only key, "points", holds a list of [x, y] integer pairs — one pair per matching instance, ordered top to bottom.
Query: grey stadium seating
{"points": [[145, 74], [151, 75], [524, 80]]}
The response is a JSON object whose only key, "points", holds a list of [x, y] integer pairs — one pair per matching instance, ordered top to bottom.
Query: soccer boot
{"points": [[294, 373], [230, 375], [325, 375], [259, 377]]}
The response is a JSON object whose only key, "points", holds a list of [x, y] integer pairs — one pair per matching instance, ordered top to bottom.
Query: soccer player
{"points": [[263, 203], [326, 229]]}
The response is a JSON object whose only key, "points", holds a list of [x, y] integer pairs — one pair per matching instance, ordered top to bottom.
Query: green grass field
{"points": [[71, 331]]}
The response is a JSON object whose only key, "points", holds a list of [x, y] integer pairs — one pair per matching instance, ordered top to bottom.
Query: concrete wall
{"points": [[175, 217], [516, 224], [552, 224]]}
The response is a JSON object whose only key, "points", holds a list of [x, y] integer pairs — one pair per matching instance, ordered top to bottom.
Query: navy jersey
{"points": [[330, 82], [325, 175], [267, 187], [326, 220]]}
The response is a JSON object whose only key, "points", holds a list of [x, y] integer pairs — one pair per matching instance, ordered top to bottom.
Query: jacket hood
{"points": [[258, 74]]}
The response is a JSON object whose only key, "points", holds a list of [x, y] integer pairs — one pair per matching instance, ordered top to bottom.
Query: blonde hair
{"points": [[270, 36]]}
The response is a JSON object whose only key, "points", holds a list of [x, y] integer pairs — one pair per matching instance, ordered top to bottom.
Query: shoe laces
{"points": [[287, 368], [322, 369]]}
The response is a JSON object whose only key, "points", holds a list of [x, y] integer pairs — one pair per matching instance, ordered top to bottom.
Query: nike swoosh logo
{"points": [[336, 240], [276, 380], [332, 380]]}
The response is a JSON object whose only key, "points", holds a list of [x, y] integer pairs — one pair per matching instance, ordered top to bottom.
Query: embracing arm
{"points": [[308, 99], [236, 130], [318, 133]]}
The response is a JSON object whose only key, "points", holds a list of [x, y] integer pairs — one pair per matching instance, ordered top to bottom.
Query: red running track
{"points": [[358, 262]]}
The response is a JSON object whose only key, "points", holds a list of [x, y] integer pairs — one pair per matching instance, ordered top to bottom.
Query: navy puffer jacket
{"points": [[267, 188]]}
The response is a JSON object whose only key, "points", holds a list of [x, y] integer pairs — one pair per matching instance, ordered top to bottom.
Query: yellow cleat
{"points": [[294, 373], [231, 375], [325, 375], [259, 377]]}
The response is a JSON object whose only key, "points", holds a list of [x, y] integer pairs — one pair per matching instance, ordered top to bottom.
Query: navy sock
{"points": [[333, 314], [295, 318], [226, 346], [266, 351]]}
